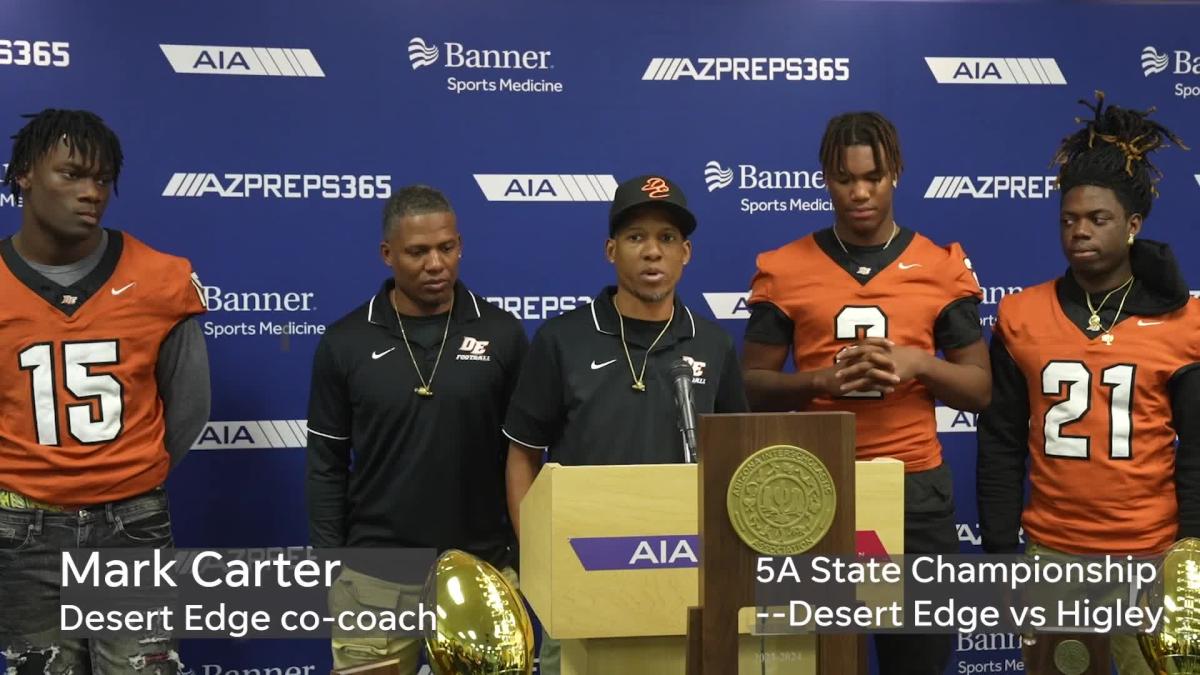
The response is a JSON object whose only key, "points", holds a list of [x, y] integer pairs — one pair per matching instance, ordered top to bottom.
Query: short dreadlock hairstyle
{"points": [[861, 128], [86, 134], [1111, 151]]}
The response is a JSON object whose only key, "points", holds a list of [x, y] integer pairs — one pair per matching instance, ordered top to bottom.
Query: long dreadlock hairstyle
{"points": [[861, 128], [89, 138], [1111, 151]]}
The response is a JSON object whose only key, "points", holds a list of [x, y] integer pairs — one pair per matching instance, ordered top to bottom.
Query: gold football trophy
{"points": [[482, 625], [1174, 647]]}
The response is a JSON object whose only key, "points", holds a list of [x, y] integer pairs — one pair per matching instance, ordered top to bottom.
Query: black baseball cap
{"points": [[651, 189]]}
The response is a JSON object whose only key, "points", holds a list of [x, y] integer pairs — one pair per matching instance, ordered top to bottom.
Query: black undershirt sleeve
{"points": [[769, 325], [957, 325], [1185, 401], [1003, 450]]}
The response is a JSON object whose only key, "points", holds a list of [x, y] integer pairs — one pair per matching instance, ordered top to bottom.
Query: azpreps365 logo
{"points": [[421, 54], [1179, 62], [748, 68], [991, 187]]}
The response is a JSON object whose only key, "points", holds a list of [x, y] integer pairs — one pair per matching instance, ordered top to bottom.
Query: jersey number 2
{"points": [[855, 322], [1077, 377], [82, 423]]}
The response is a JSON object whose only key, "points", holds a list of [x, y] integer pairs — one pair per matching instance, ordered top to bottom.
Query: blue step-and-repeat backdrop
{"points": [[262, 137]]}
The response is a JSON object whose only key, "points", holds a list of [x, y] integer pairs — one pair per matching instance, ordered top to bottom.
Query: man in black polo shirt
{"points": [[414, 384], [596, 388]]}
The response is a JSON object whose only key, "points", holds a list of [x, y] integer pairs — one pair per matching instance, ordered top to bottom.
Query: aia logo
{"points": [[656, 188], [474, 350]]}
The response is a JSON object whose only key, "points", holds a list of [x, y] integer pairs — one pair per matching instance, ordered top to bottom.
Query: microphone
{"points": [[685, 404]]}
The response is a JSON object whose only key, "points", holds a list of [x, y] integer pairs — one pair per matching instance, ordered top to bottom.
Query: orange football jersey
{"points": [[830, 309], [83, 422], [1101, 444]]}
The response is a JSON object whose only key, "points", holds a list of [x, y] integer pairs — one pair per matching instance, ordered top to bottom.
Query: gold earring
{"points": [[895, 183], [1130, 242]]}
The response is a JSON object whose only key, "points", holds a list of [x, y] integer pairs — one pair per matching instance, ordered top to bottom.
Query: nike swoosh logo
{"points": [[909, 266], [118, 291], [1142, 322], [380, 355], [598, 366]]}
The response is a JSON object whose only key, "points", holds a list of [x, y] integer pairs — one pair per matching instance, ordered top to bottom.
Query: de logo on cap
{"points": [[656, 188], [650, 189]]}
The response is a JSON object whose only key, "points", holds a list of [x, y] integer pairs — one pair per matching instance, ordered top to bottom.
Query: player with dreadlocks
{"points": [[862, 307], [1096, 373], [104, 384]]}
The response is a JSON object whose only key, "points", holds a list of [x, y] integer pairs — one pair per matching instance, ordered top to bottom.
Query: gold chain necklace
{"points": [[863, 269], [1094, 319], [1108, 338], [639, 382], [425, 390]]}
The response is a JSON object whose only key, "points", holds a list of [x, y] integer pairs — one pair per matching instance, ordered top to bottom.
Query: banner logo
{"points": [[421, 54], [217, 60], [1154, 61], [1179, 62], [479, 63], [1001, 70], [717, 177], [772, 181], [546, 187]]}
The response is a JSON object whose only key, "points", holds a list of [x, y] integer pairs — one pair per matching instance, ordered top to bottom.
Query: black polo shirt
{"points": [[575, 394], [426, 472]]}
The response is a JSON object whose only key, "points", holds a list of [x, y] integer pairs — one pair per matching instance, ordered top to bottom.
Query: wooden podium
{"points": [[609, 559]]}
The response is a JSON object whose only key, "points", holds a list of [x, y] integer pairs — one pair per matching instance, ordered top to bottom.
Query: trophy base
{"points": [[1067, 654]]}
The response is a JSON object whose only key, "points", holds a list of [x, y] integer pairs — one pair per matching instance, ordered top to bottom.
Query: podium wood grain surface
{"points": [[727, 572]]}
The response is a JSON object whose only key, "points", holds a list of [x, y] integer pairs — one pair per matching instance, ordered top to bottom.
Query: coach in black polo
{"points": [[414, 384], [596, 385]]}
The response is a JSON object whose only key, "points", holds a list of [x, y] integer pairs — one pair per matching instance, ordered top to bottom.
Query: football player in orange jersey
{"points": [[862, 308], [1096, 373], [104, 386]]}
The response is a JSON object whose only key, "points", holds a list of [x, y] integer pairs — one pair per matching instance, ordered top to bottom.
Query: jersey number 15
{"points": [[103, 388]]}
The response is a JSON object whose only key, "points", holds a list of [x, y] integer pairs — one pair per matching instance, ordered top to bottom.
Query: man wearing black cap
{"points": [[596, 387]]}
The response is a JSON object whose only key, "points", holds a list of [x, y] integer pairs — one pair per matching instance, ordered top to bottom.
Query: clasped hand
{"points": [[873, 365]]}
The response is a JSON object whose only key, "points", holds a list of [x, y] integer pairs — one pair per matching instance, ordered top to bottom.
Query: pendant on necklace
{"points": [[864, 271], [1094, 322], [1107, 339], [638, 386], [424, 391]]}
